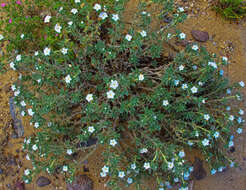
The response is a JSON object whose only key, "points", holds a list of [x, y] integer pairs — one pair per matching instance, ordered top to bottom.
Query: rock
{"points": [[200, 36], [18, 127], [90, 142], [232, 149], [199, 172], [42, 181], [81, 182], [19, 185]]}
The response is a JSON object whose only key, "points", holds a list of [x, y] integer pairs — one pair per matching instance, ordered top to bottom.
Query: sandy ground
{"points": [[223, 34]]}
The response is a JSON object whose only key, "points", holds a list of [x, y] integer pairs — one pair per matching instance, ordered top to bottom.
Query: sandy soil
{"points": [[226, 39]]}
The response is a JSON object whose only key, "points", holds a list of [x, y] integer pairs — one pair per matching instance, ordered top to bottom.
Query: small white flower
{"points": [[77, 1], [97, 7], [60, 9], [181, 9], [74, 11], [103, 15], [115, 17], [47, 19], [70, 23], [58, 28], [143, 33], [22, 36], [169, 36], [182, 36], [1, 37], [128, 37], [195, 47], [46, 51], [64, 51], [36, 53], [18, 57], [225, 59], [212, 64], [12, 66], [181, 67], [141, 77], [68, 79], [39, 80], [200, 83], [241, 83], [113, 84], [184, 86], [13, 87], [194, 89], [17, 92], [110, 94], [89, 97], [165, 102], [23, 103], [30, 112], [241, 112], [23, 113], [206, 117], [231, 117], [36, 125], [91, 129], [216, 134], [113, 142], [205, 142], [34, 147], [143, 150], [69, 151], [181, 154], [27, 157], [146, 165], [170, 165], [133, 166], [65, 168], [105, 169], [27, 172], [103, 174], [121, 174]]}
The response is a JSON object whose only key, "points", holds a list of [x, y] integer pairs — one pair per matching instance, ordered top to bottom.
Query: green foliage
{"points": [[231, 9], [97, 73]]}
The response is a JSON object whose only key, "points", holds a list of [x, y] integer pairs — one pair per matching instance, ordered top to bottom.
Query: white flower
{"points": [[77, 1], [97, 7], [60, 9], [181, 9], [74, 11], [103, 15], [115, 17], [47, 19], [70, 23], [58, 28], [143, 33], [169, 35], [22, 36], [182, 36], [1, 37], [128, 37], [195, 47], [46, 51], [64, 51], [36, 53], [18, 57], [225, 59], [212, 64], [12, 66], [181, 67], [141, 77], [68, 79], [176, 82], [200, 83], [241, 83], [114, 84], [184, 86], [13, 87], [194, 89], [17, 92], [110, 94], [89, 97], [165, 102], [23, 103], [30, 112], [241, 112], [23, 113], [206, 117], [231, 118], [36, 125], [91, 129], [216, 134], [113, 142], [205, 142], [34, 147], [143, 150], [69, 151], [181, 154], [27, 157], [146, 165], [170, 165], [133, 166], [65, 168], [105, 169], [27, 172], [103, 174], [121, 174], [129, 180]]}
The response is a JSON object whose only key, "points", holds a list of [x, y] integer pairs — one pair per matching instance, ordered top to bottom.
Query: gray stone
{"points": [[42, 181]]}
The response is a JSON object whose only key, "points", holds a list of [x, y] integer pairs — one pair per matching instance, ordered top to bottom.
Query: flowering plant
{"points": [[95, 79]]}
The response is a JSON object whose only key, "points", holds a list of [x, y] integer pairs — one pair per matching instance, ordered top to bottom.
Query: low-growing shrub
{"points": [[97, 76]]}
